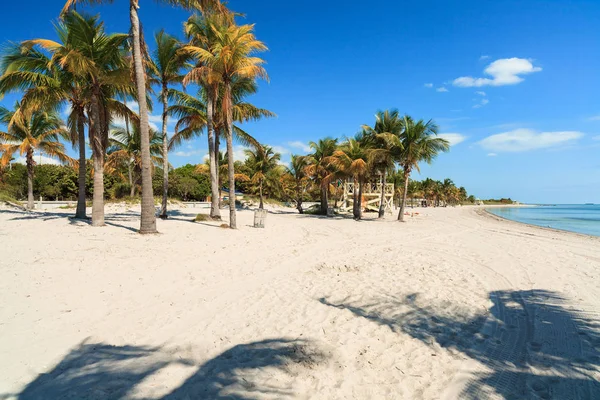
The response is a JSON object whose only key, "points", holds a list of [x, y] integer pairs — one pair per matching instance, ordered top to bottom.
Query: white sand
{"points": [[451, 304]]}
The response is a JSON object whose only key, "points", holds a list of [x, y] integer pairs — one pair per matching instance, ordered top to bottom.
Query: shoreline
{"points": [[491, 215]]}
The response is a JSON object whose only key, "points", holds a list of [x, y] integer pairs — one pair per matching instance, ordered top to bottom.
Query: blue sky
{"points": [[514, 84]]}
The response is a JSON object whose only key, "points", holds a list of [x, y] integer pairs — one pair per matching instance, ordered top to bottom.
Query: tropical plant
{"points": [[165, 66], [29, 131], [419, 143], [386, 146], [351, 160], [261, 162], [320, 167], [297, 170]]}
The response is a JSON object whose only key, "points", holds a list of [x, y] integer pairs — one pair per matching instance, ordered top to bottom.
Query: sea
{"points": [[580, 218]]}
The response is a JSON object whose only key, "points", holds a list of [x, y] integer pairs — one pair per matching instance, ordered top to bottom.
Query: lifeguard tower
{"points": [[371, 196]]}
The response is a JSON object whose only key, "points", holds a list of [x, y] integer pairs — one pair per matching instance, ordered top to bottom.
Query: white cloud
{"points": [[483, 58], [505, 71], [428, 85], [441, 89], [481, 93], [481, 103], [133, 105], [594, 118], [158, 119], [453, 138], [596, 138], [528, 139], [300, 145], [280, 149], [187, 153], [492, 154], [39, 160]]}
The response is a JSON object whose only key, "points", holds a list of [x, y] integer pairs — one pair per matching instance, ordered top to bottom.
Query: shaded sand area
{"points": [[452, 304]]}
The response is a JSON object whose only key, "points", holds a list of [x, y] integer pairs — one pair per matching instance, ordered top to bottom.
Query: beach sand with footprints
{"points": [[452, 304]]}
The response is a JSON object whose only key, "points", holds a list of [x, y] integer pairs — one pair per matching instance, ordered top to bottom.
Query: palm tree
{"points": [[231, 56], [97, 59], [165, 66], [47, 84], [28, 131], [419, 143], [386, 146], [125, 151], [351, 160], [261, 162], [319, 166], [297, 170], [148, 218]]}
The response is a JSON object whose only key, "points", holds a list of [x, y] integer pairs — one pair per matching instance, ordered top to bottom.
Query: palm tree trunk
{"points": [[229, 126], [165, 154], [98, 161], [218, 167], [130, 176], [260, 187], [360, 196], [215, 198], [299, 199], [355, 199], [324, 200], [382, 200], [30, 202], [80, 211], [401, 213], [148, 218]]}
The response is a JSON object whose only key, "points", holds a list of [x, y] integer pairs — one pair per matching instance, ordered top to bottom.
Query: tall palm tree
{"points": [[231, 56], [98, 60], [166, 64], [47, 84], [28, 131], [419, 143], [386, 146], [351, 160], [261, 162], [320, 166], [297, 170], [148, 218]]}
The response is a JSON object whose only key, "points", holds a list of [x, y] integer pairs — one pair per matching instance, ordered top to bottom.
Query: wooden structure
{"points": [[371, 196], [259, 218]]}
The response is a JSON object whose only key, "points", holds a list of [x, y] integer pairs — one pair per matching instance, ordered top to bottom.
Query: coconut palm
{"points": [[231, 56], [97, 60], [165, 66], [47, 84], [28, 131], [419, 143], [386, 146], [124, 151], [351, 160], [261, 162], [320, 166], [297, 170], [148, 219]]}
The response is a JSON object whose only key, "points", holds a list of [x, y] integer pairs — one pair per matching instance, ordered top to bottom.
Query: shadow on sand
{"points": [[531, 346], [100, 371]]}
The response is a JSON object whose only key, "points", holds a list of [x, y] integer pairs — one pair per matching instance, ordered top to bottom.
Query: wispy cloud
{"points": [[483, 58], [505, 71], [428, 85], [441, 89], [481, 93], [481, 103], [594, 118], [157, 119], [453, 138], [597, 138], [520, 140], [300, 145], [281, 150], [190, 153], [492, 154], [40, 160]]}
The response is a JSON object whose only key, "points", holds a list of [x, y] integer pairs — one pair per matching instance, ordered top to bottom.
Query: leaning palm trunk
{"points": [[229, 134], [98, 162], [165, 194], [360, 196], [215, 197], [382, 200], [30, 203], [403, 203], [80, 212], [148, 218]]}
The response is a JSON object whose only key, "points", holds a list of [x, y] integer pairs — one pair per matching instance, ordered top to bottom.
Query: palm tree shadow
{"points": [[531, 345], [101, 371]]}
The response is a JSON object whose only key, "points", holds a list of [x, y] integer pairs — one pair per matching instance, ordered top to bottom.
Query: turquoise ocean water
{"points": [[569, 217]]}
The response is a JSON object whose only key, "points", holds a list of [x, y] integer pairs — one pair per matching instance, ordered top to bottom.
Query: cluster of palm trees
{"points": [[96, 74], [374, 153]]}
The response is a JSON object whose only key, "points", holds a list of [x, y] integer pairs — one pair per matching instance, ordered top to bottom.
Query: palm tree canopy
{"points": [[30, 130], [420, 143], [261, 161]]}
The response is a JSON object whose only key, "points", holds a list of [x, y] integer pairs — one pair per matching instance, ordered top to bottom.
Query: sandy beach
{"points": [[452, 304]]}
